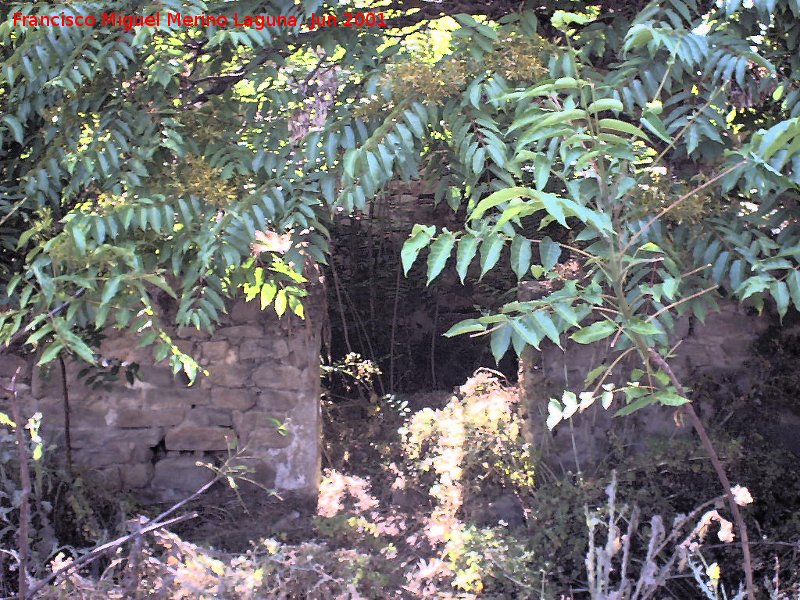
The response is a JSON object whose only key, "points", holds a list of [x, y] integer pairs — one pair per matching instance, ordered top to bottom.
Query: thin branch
{"points": [[687, 195], [681, 301], [67, 432], [720, 470], [25, 481], [151, 525]]}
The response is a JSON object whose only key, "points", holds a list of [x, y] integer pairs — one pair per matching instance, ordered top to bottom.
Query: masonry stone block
{"points": [[247, 312], [239, 332], [190, 333], [121, 347], [274, 349], [217, 352], [9, 364], [237, 375], [155, 377], [280, 377], [179, 396], [233, 398], [279, 400], [80, 415], [145, 416], [210, 416], [245, 422], [149, 436], [86, 437], [190, 437], [268, 437], [109, 453], [142, 454], [261, 472], [180, 473], [137, 476], [108, 477]]}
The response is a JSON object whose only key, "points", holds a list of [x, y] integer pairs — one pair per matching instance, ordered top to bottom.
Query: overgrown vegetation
{"points": [[639, 161], [449, 507]]}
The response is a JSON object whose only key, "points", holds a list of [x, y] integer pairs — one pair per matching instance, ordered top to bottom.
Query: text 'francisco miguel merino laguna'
{"points": [[128, 22]]}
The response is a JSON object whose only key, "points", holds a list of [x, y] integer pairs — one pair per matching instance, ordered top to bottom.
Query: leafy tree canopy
{"points": [[664, 138]]}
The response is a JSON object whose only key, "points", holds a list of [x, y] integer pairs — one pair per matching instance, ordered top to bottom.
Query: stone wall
{"points": [[718, 349], [262, 394]]}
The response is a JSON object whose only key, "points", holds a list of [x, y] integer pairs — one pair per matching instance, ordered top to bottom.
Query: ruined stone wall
{"points": [[718, 348], [262, 394]]}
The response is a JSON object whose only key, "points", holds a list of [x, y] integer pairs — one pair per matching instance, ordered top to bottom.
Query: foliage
{"points": [[250, 139], [664, 151], [366, 540]]}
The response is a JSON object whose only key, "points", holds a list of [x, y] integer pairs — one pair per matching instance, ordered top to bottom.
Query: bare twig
{"points": [[152, 525]]}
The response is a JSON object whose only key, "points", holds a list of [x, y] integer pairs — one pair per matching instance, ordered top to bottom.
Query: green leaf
{"points": [[561, 19], [605, 104], [415, 123], [654, 125], [15, 126], [622, 127], [350, 157], [478, 161], [541, 170], [497, 198], [553, 206], [420, 237], [79, 238], [467, 248], [490, 252], [549, 252], [439, 253], [521, 253], [160, 283], [793, 283], [110, 289], [780, 292], [267, 293], [281, 302], [566, 312], [545, 323], [466, 326], [643, 328], [594, 332], [39, 334], [531, 335], [501, 340], [78, 346], [50, 353], [594, 374], [670, 398], [635, 405], [554, 415], [6, 420]]}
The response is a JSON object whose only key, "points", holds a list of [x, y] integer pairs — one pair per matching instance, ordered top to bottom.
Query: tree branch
{"points": [[718, 467]]}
